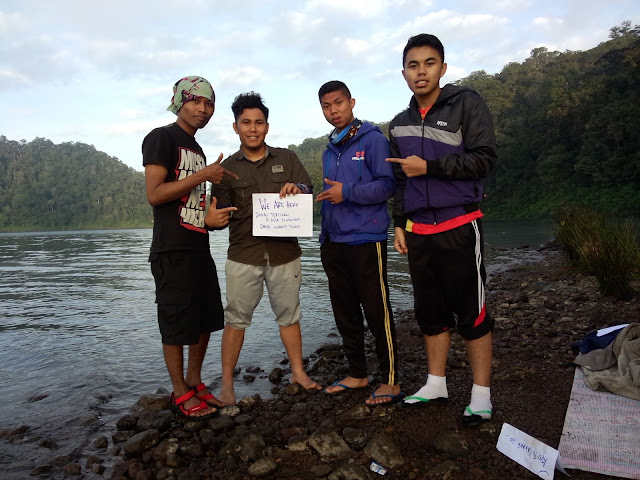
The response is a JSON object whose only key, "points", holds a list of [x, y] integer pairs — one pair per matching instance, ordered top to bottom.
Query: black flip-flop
{"points": [[423, 402]]}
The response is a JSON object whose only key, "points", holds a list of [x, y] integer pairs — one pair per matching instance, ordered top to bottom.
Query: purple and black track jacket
{"points": [[457, 140], [368, 182]]}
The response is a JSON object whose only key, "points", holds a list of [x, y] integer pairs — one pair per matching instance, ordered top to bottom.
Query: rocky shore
{"points": [[540, 309]]}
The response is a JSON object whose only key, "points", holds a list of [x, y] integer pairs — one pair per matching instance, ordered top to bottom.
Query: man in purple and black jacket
{"points": [[443, 146]]}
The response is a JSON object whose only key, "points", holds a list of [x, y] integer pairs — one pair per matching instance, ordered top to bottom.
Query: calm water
{"points": [[79, 341]]}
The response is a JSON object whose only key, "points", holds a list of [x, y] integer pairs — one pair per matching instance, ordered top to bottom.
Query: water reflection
{"points": [[78, 327]]}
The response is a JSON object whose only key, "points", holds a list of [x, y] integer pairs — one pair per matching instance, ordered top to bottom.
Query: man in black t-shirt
{"points": [[187, 290]]}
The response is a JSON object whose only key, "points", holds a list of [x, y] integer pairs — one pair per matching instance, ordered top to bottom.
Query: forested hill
{"points": [[567, 126], [44, 186]]}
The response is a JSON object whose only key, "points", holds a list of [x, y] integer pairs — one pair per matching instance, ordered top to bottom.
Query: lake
{"points": [[79, 341]]}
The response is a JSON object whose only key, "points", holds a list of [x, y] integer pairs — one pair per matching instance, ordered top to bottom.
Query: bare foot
{"points": [[304, 381], [347, 384], [382, 394], [227, 395]]}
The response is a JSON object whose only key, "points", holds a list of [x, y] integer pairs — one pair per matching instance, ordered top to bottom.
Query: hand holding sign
{"points": [[291, 216]]}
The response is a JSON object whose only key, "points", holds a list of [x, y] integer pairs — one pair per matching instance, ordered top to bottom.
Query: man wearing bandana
{"points": [[358, 183], [187, 290]]}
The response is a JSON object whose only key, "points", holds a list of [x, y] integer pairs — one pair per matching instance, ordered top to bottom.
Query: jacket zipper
{"points": [[426, 183]]}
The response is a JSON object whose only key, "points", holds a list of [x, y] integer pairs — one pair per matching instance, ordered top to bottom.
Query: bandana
{"points": [[188, 88], [350, 131]]}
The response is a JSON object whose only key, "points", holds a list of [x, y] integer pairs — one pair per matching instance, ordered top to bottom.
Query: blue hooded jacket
{"points": [[368, 182]]}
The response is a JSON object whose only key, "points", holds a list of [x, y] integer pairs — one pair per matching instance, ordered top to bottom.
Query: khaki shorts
{"points": [[245, 289]]}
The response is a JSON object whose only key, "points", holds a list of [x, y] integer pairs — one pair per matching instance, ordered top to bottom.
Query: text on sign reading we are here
{"points": [[291, 216]]}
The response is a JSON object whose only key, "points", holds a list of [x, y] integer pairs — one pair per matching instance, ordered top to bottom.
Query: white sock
{"points": [[436, 387], [480, 402]]}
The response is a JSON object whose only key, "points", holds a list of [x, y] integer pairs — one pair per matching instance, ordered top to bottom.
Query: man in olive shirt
{"points": [[253, 261]]}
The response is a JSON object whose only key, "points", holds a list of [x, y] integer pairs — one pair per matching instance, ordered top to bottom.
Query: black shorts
{"points": [[448, 275], [187, 294]]}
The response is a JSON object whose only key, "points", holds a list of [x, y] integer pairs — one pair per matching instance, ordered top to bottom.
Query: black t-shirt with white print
{"points": [[179, 224]]}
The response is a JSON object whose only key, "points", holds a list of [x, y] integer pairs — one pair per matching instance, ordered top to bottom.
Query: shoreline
{"points": [[540, 308]]}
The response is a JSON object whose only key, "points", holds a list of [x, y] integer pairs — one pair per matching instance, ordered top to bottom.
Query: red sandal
{"points": [[206, 396], [177, 406]]}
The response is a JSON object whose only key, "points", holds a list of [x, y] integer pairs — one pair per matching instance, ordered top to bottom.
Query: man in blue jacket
{"points": [[443, 146], [358, 183]]}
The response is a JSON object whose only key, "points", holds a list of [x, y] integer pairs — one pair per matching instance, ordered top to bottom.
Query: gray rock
{"points": [[276, 375], [294, 389], [152, 402], [248, 402], [230, 411], [358, 411], [243, 419], [155, 420], [294, 420], [128, 422], [221, 422], [14, 433], [287, 433], [123, 436], [355, 437], [210, 439], [101, 442], [140, 442], [298, 443], [328, 443], [451, 444], [232, 447], [252, 447], [164, 448], [192, 449], [384, 451], [93, 460], [173, 460], [263, 467], [72, 469], [41, 470], [321, 470], [349, 471]]}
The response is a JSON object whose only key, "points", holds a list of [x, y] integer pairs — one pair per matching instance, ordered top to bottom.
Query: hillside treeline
{"points": [[567, 127], [44, 186]]}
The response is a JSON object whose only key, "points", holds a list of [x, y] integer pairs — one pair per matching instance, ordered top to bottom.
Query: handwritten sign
{"points": [[291, 216], [532, 454]]}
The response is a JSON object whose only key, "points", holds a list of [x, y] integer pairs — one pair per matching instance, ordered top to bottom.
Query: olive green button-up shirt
{"points": [[268, 175]]}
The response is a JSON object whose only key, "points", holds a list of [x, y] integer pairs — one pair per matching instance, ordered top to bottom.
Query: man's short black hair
{"points": [[423, 40], [334, 86], [248, 100]]}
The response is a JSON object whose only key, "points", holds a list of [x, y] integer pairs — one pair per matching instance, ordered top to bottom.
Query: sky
{"points": [[102, 73]]}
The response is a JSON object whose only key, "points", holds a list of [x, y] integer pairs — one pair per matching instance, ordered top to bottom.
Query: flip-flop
{"points": [[345, 388], [206, 396], [392, 399], [423, 402], [176, 405], [474, 418]]}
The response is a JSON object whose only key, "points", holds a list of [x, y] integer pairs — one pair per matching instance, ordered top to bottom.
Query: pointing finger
{"points": [[231, 174], [227, 209]]}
